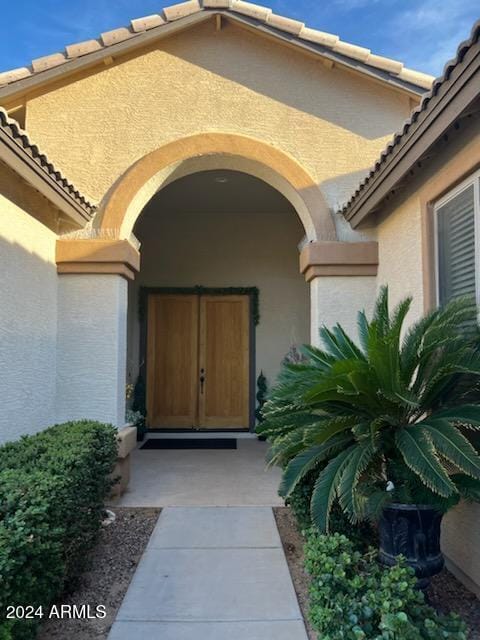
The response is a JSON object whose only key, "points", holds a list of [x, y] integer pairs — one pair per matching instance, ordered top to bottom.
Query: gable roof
{"points": [[142, 31], [453, 94], [22, 155]]}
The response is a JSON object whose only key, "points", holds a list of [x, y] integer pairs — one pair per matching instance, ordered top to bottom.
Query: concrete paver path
{"points": [[212, 573]]}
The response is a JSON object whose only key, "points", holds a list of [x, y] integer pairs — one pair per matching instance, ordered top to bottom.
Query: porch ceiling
{"points": [[219, 191]]}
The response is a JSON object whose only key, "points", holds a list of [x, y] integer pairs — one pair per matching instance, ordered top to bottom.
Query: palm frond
{"points": [[381, 319], [363, 328], [330, 343], [346, 344], [468, 414], [448, 441], [419, 455], [360, 459], [308, 460], [325, 488], [469, 488]]}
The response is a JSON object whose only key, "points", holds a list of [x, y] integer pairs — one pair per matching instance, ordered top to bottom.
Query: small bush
{"points": [[52, 490], [352, 597]]}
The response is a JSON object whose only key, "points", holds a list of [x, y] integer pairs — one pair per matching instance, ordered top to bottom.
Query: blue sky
{"points": [[423, 34]]}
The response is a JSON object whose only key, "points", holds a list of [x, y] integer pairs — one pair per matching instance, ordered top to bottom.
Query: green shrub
{"points": [[52, 490], [299, 501], [362, 534], [352, 597]]}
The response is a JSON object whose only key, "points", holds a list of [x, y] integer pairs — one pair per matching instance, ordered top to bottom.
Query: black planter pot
{"points": [[141, 431], [412, 531]]}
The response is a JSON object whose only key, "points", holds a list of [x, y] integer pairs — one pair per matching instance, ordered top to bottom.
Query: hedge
{"points": [[52, 490]]}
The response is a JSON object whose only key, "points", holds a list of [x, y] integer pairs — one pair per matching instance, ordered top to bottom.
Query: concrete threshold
{"points": [[241, 435]]}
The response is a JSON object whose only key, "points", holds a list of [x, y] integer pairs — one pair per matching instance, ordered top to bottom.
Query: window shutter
{"points": [[456, 246]]}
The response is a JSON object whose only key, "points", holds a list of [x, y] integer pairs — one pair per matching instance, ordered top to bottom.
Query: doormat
{"points": [[190, 443]]}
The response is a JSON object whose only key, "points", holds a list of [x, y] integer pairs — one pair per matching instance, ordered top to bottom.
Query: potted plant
{"points": [[135, 413], [384, 425]]}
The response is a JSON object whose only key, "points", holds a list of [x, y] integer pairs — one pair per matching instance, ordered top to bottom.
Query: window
{"points": [[457, 242]]}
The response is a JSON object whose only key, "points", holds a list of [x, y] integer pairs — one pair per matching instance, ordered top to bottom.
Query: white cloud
{"points": [[431, 32]]}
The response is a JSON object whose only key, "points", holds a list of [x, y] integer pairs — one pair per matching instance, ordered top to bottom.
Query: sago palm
{"points": [[391, 411]]}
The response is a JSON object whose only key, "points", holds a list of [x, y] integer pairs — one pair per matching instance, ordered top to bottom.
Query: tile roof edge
{"points": [[177, 12], [412, 122], [26, 146]]}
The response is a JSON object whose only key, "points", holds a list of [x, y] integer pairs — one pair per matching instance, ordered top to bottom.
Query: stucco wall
{"points": [[332, 122], [229, 250], [401, 255], [338, 299], [28, 311], [91, 356]]}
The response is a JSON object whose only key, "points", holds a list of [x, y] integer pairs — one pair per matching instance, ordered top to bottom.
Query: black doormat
{"points": [[190, 443]]}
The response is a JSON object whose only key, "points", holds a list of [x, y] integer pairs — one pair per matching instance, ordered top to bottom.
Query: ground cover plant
{"points": [[353, 597]]}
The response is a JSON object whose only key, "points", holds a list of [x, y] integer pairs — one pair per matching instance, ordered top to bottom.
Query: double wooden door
{"points": [[198, 369]]}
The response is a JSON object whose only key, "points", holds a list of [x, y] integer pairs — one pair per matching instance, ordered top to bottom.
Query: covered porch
{"points": [[189, 282], [219, 300]]}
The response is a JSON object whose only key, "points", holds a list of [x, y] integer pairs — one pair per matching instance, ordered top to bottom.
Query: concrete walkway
{"points": [[203, 477], [212, 573]]}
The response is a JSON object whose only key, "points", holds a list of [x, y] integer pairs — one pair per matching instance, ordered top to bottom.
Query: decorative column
{"points": [[342, 277], [92, 328]]}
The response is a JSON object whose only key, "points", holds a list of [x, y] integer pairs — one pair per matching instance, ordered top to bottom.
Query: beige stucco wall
{"points": [[334, 123], [229, 250], [400, 255], [338, 299], [28, 310], [461, 543]]}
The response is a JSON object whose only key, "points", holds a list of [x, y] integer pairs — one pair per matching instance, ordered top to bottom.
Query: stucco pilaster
{"points": [[337, 299], [92, 347]]}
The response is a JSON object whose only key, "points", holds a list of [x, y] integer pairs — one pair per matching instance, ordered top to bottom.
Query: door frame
{"points": [[254, 318]]}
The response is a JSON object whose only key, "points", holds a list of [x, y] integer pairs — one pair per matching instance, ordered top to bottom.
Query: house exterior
{"points": [[203, 235]]}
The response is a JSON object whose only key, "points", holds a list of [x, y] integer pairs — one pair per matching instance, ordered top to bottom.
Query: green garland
{"points": [[199, 290]]}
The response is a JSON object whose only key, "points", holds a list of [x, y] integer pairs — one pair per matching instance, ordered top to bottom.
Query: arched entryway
{"points": [[127, 198], [107, 257], [218, 301]]}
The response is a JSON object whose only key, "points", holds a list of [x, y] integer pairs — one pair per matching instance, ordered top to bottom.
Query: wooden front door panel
{"points": [[191, 338], [224, 359], [172, 360]]}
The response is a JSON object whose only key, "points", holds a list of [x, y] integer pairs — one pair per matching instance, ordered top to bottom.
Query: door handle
{"points": [[202, 380]]}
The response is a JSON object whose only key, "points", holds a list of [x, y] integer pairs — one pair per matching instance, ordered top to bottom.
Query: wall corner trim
{"points": [[97, 256], [330, 258]]}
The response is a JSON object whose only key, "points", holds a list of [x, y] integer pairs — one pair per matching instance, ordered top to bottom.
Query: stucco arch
{"points": [[125, 201]]}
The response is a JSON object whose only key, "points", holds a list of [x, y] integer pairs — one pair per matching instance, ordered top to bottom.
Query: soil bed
{"points": [[293, 547], [112, 564], [446, 593]]}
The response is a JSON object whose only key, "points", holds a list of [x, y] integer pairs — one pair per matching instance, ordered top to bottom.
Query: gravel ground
{"points": [[293, 547], [113, 562], [445, 593]]}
